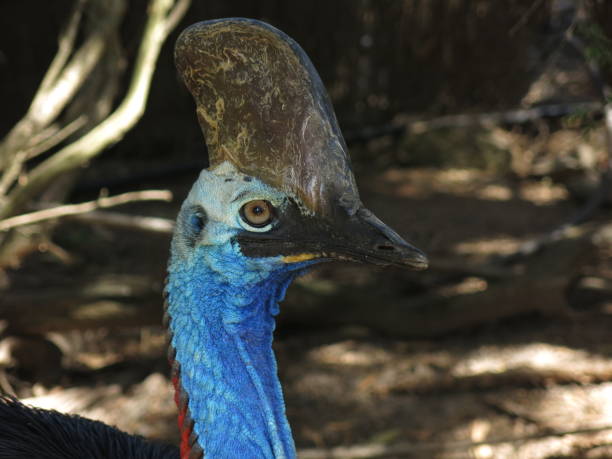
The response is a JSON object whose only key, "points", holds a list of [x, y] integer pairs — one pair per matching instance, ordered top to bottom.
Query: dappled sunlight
{"points": [[423, 182], [478, 184], [495, 192], [543, 192], [500, 245], [466, 286], [350, 353], [497, 359], [538, 397], [67, 400], [573, 407], [147, 408], [550, 421], [556, 422]]}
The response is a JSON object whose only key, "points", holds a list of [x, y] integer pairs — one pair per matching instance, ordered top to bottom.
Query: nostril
{"points": [[388, 248]]}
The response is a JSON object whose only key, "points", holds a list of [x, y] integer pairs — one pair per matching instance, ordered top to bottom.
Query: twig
{"points": [[176, 14], [525, 17], [64, 48], [63, 79], [49, 103], [113, 128], [34, 134], [56, 138], [15, 167], [12, 172], [73, 209], [131, 222], [409, 449]]}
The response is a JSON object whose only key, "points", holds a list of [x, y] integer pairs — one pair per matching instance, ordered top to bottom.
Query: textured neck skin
{"points": [[221, 308]]}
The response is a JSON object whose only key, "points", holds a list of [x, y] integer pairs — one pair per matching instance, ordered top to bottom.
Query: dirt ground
{"points": [[536, 385]]}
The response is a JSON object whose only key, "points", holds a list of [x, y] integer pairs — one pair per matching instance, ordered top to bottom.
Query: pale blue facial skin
{"points": [[221, 193], [221, 306]]}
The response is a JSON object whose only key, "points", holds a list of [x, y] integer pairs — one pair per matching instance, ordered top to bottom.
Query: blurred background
{"points": [[477, 130]]}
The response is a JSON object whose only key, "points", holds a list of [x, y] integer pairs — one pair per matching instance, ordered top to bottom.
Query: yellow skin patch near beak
{"points": [[299, 257]]}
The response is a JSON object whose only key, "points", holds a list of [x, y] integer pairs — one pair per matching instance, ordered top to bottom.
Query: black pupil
{"points": [[257, 213]]}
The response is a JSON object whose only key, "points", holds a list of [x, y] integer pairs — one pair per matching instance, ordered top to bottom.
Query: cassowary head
{"points": [[279, 188], [279, 195]]}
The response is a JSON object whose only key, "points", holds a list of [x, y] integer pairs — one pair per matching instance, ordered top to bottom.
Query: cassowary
{"points": [[278, 197]]}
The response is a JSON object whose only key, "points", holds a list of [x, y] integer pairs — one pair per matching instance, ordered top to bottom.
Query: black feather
{"points": [[31, 433]]}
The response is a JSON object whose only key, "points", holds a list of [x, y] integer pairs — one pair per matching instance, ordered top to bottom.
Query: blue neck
{"points": [[221, 308]]}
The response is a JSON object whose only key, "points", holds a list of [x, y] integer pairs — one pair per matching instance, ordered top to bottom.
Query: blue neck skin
{"points": [[222, 306]]}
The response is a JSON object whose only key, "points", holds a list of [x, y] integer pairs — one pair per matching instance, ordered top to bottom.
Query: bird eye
{"points": [[258, 213]]}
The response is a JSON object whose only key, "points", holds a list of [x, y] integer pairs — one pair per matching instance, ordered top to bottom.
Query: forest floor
{"points": [[535, 385]]}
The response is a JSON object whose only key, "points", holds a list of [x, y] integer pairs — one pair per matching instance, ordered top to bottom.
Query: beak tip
{"points": [[416, 259], [420, 264]]}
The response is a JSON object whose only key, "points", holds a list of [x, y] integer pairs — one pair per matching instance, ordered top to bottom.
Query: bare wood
{"points": [[177, 14], [65, 46], [63, 79], [47, 104], [496, 118], [406, 125], [113, 128], [39, 130], [22, 132], [57, 137], [15, 167], [12, 172], [74, 209]]}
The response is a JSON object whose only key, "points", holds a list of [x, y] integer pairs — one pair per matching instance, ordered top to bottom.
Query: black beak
{"points": [[361, 237], [376, 243]]}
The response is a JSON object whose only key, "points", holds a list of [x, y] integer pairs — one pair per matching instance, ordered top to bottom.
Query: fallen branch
{"points": [[506, 117], [403, 125], [74, 209]]}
